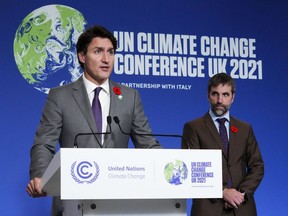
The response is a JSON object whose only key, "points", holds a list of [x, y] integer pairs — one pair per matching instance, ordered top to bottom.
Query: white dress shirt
{"points": [[104, 97], [227, 123]]}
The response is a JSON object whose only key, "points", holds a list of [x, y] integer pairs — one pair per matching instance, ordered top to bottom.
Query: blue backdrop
{"points": [[248, 38]]}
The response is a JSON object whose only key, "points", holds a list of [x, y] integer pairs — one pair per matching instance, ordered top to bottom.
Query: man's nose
{"points": [[105, 57], [219, 99]]}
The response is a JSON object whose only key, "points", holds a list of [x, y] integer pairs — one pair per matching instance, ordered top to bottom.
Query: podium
{"points": [[92, 181]]}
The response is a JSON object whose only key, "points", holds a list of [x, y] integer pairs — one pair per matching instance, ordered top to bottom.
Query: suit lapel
{"points": [[81, 98], [113, 99], [112, 112], [214, 132], [233, 135]]}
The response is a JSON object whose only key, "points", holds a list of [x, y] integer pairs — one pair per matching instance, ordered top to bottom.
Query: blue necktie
{"points": [[97, 111], [223, 133], [225, 141]]}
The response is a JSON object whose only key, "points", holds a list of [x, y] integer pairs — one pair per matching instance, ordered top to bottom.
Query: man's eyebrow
{"points": [[98, 47], [103, 48], [216, 92], [226, 93]]}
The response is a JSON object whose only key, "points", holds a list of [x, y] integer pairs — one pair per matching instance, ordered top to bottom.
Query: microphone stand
{"points": [[109, 121], [117, 121]]}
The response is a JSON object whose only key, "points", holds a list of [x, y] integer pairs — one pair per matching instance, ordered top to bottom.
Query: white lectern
{"points": [[132, 181]]}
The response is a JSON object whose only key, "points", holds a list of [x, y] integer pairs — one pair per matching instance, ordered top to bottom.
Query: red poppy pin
{"points": [[117, 91], [234, 129]]}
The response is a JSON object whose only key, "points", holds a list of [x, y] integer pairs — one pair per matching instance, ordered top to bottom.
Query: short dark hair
{"points": [[87, 36], [221, 78]]}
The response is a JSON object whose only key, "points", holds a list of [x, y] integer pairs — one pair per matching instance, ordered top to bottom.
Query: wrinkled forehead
{"points": [[222, 88]]}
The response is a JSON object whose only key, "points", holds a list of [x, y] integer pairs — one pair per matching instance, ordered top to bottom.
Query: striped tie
{"points": [[223, 133], [225, 141]]}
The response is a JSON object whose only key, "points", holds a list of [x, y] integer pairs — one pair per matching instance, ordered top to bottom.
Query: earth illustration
{"points": [[45, 46], [176, 172]]}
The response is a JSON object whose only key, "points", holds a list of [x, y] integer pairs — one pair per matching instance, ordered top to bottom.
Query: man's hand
{"points": [[34, 188], [232, 198]]}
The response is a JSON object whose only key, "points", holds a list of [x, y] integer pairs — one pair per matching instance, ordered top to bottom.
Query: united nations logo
{"points": [[84, 172], [176, 172]]}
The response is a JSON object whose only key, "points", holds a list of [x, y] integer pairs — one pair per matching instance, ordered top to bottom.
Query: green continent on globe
{"points": [[45, 43], [169, 171], [175, 173]]}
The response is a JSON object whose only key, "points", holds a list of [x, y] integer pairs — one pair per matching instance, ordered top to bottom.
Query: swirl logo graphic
{"points": [[85, 172], [176, 172]]}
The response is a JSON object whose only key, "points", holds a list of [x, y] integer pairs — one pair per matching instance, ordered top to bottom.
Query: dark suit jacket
{"points": [[68, 112], [244, 162]]}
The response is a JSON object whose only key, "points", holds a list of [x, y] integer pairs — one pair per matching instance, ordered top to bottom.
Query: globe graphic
{"points": [[45, 46], [176, 172]]}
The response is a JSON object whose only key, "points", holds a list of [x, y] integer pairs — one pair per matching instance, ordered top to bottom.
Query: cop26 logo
{"points": [[85, 172], [176, 172]]}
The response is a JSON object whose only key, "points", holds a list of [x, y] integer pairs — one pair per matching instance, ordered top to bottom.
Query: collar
{"points": [[90, 86], [214, 117]]}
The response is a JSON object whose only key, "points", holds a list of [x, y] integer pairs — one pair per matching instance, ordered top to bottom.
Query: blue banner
{"points": [[167, 50]]}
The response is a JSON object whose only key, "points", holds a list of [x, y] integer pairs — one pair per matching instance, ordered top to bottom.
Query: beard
{"points": [[219, 109]]}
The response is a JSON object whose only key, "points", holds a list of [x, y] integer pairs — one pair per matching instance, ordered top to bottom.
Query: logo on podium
{"points": [[85, 172], [176, 172]]}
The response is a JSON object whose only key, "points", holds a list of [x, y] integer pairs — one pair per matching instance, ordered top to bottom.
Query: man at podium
{"points": [[82, 107]]}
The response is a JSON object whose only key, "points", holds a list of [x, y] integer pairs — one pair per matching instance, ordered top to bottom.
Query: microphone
{"points": [[109, 121], [117, 121]]}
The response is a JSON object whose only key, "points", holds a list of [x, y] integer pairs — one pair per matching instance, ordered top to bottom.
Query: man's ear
{"points": [[81, 57], [233, 96]]}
